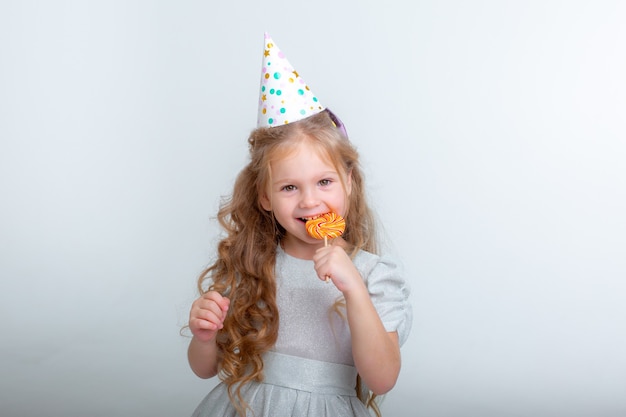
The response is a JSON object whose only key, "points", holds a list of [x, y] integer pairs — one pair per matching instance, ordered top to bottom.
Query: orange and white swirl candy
{"points": [[329, 225]]}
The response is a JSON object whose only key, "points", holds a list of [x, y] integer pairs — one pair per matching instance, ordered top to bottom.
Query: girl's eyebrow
{"points": [[328, 174], [282, 180], [291, 180]]}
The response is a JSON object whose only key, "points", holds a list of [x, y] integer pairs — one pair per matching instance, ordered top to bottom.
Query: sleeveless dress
{"points": [[310, 370]]}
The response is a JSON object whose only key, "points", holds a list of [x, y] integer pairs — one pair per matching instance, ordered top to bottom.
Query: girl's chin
{"points": [[304, 241]]}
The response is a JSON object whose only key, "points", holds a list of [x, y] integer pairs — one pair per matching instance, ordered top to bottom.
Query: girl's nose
{"points": [[309, 199]]}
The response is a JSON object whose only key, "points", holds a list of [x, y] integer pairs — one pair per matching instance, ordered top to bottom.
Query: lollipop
{"points": [[329, 225]]}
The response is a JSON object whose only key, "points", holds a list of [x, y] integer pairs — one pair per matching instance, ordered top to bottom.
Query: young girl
{"points": [[291, 326]]}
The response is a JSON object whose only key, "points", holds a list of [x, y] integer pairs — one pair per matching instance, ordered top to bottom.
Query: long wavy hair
{"points": [[244, 269]]}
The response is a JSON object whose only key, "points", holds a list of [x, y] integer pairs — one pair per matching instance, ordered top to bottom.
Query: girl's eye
{"points": [[325, 182], [289, 188]]}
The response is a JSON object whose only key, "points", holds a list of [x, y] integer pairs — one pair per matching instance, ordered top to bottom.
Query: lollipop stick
{"points": [[326, 244]]}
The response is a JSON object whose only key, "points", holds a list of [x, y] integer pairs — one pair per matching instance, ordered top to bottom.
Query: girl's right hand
{"points": [[207, 315]]}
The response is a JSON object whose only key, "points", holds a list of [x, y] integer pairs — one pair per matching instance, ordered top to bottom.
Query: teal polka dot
{"points": [[276, 75], [263, 88], [272, 91], [278, 92], [301, 92], [315, 99], [282, 110], [303, 112], [270, 121]]}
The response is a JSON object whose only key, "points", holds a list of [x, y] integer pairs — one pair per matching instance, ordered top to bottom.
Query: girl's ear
{"points": [[265, 202]]}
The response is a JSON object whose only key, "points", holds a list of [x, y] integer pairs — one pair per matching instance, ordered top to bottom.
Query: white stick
{"points": [[326, 244]]}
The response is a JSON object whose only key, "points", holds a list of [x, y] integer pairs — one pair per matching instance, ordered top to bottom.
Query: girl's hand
{"points": [[333, 262], [207, 315]]}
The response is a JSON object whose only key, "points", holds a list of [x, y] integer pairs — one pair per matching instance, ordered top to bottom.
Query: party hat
{"points": [[284, 97]]}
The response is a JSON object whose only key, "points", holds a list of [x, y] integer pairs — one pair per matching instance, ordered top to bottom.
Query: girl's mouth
{"points": [[306, 219]]}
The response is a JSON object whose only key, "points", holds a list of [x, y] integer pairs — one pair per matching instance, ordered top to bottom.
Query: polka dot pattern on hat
{"points": [[284, 97]]}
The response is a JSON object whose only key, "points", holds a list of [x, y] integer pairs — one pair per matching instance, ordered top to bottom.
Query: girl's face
{"points": [[304, 185]]}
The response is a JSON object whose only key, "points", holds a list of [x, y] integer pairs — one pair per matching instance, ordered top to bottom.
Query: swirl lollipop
{"points": [[329, 225]]}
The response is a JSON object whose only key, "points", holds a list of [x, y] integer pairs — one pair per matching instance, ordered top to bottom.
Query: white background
{"points": [[493, 136]]}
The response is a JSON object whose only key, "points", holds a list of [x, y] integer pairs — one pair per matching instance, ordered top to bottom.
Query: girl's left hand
{"points": [[333, 262]]}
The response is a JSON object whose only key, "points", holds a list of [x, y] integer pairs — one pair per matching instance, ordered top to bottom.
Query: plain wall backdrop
{"points": [[492, 134]]}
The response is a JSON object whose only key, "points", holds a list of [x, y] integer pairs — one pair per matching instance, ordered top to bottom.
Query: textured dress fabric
{"points": [[310, 370]]}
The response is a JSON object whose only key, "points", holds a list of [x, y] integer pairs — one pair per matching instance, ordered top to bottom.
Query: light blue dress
{"points": [[310, 371]]}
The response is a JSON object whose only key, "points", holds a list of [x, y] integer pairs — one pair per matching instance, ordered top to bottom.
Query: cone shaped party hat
{"points": [[284, 97]]}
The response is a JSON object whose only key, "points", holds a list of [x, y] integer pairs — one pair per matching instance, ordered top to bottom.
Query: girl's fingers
{"points": [[217, 298], [208, 312], [209, 316], [200, 324]]}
